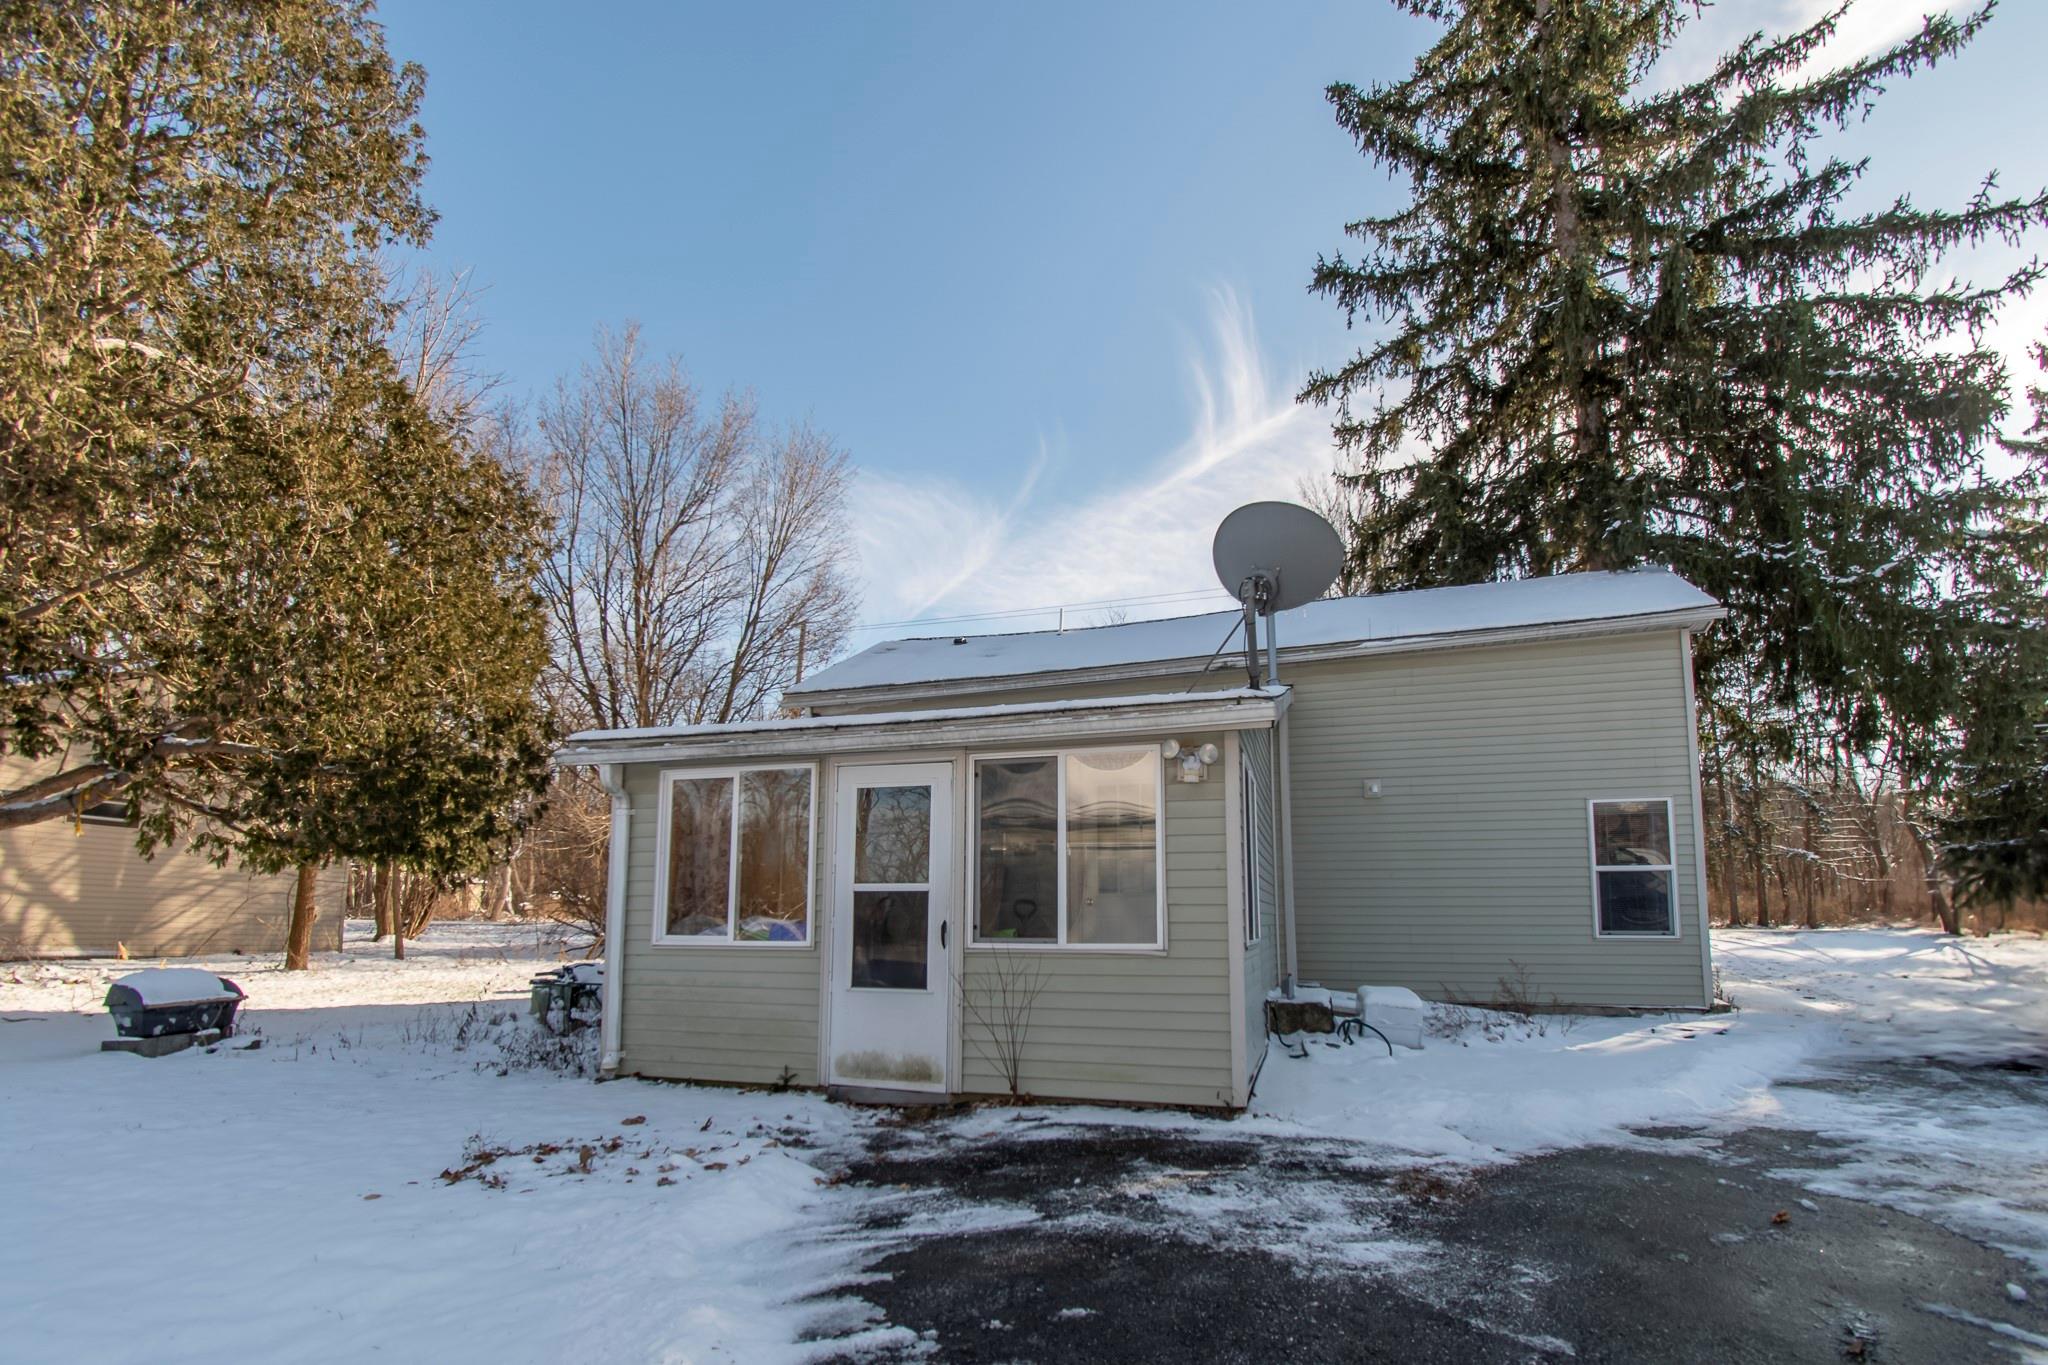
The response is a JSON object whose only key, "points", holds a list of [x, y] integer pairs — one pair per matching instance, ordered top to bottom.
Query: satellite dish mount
{"points": [[1272, 556]]}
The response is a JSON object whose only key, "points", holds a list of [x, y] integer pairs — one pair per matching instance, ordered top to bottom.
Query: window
{"points": [[1249, 801], [106, 813], [1067, 849], [735, 861], [892, 872], [1633, 872]]}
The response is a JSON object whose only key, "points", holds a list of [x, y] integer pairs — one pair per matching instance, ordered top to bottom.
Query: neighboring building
{"points": [[1488, 791], [79, 889]]}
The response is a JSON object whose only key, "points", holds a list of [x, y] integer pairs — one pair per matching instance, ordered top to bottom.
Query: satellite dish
{"points": [[1288, 555], [1272, 556]]}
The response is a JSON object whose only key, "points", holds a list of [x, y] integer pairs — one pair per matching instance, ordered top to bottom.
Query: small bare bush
{"points": [[998, 1012]]}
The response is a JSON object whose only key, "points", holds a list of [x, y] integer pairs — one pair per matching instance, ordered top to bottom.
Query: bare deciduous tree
{"points": [[433, 338], [1340, 499], [697, 553]]}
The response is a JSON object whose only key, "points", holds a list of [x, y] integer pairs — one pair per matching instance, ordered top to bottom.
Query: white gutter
{"points": [[1687, 618], [937, 729], [613, 779]]}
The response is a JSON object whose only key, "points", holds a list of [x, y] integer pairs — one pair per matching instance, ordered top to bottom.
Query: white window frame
{"points": [[1059, 756], [1248, 800], [97, 814], [664, 831], [1669, 867]]}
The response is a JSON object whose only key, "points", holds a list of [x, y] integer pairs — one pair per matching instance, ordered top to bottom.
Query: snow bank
{"points": [[1495, 1088]]}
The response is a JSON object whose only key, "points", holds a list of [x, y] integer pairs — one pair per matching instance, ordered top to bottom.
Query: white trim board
{"points": [[1061, 722], [664, 830], [1595, 867], [971, 896]]}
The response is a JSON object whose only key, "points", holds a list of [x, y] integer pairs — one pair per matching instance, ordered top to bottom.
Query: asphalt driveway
{"points": [[1039, 1239]]}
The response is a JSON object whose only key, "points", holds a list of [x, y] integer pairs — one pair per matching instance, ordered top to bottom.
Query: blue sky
{"points": [[1039, 268]]}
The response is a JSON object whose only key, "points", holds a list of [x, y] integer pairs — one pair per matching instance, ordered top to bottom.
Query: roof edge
{"points": [[1685, 618], [1235, 709]]}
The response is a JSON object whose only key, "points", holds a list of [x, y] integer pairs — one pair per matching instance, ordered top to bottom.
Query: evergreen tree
{"points": [[191, 198], [1627, 325], [251, 582], [373, 656], [1995, 834]]}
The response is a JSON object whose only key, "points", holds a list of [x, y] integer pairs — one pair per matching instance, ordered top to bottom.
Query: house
{"points": [[1078, 861], [79, 888]]}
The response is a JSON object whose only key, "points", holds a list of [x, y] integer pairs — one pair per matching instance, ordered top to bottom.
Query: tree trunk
{"points": [[1759, 833], [1728, 864], [1812, 872], [1763, 886], [382, 895], [1944, 909], [398, 914], [298, 939]]}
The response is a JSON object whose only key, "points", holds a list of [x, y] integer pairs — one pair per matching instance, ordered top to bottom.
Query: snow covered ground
{"points": [[1926, 1056], [1490, 1086], [287, 1202], [290, 1202]]}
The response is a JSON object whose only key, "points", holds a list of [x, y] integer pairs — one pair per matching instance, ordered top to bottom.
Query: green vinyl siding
{"points": [[1472, 865], [732, 1013], [1149, 1026], [1146, 1027]]}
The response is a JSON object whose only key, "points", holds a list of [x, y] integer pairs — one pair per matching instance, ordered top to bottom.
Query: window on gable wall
{"points": [[1067, 849], [737, 862], [1633, 869]]}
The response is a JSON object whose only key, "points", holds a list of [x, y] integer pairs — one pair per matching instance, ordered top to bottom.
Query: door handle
{"points": [[943, 925]]}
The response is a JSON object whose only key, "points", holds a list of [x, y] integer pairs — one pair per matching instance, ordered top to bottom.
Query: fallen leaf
{"points": [[637, 1118], [714, 1165], [373, 1196], [1781, 1217]]}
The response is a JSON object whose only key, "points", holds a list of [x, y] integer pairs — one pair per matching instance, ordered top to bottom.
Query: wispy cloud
{"points": [[1867, 27], [936, 548]]}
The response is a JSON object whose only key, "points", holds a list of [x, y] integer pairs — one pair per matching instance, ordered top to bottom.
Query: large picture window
{"points": [[1067, 849], [735, 861], [1633, 870]]}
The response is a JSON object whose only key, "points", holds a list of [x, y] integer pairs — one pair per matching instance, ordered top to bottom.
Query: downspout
{"points": [[612, 776], [1284, 800], [1283, 811]]}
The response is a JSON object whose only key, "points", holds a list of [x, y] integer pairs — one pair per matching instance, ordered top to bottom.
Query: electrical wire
{"points": [[1011, 613]]}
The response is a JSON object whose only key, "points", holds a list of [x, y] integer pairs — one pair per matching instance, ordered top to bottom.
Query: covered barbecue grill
{"points": [[160, 1001]]}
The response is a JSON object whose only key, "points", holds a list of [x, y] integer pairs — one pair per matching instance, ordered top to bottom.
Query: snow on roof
{"points": [[1447, 613], [924, 718]]}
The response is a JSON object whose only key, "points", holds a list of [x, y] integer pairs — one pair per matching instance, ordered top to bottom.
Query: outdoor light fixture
{"points": [[1194, 763]]}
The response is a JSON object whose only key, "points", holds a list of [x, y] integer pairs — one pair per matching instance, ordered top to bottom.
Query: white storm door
{"points": [[893, 909]]}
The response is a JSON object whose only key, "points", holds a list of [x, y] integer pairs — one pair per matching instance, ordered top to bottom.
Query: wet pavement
{"points": [[1049, 1240]]}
